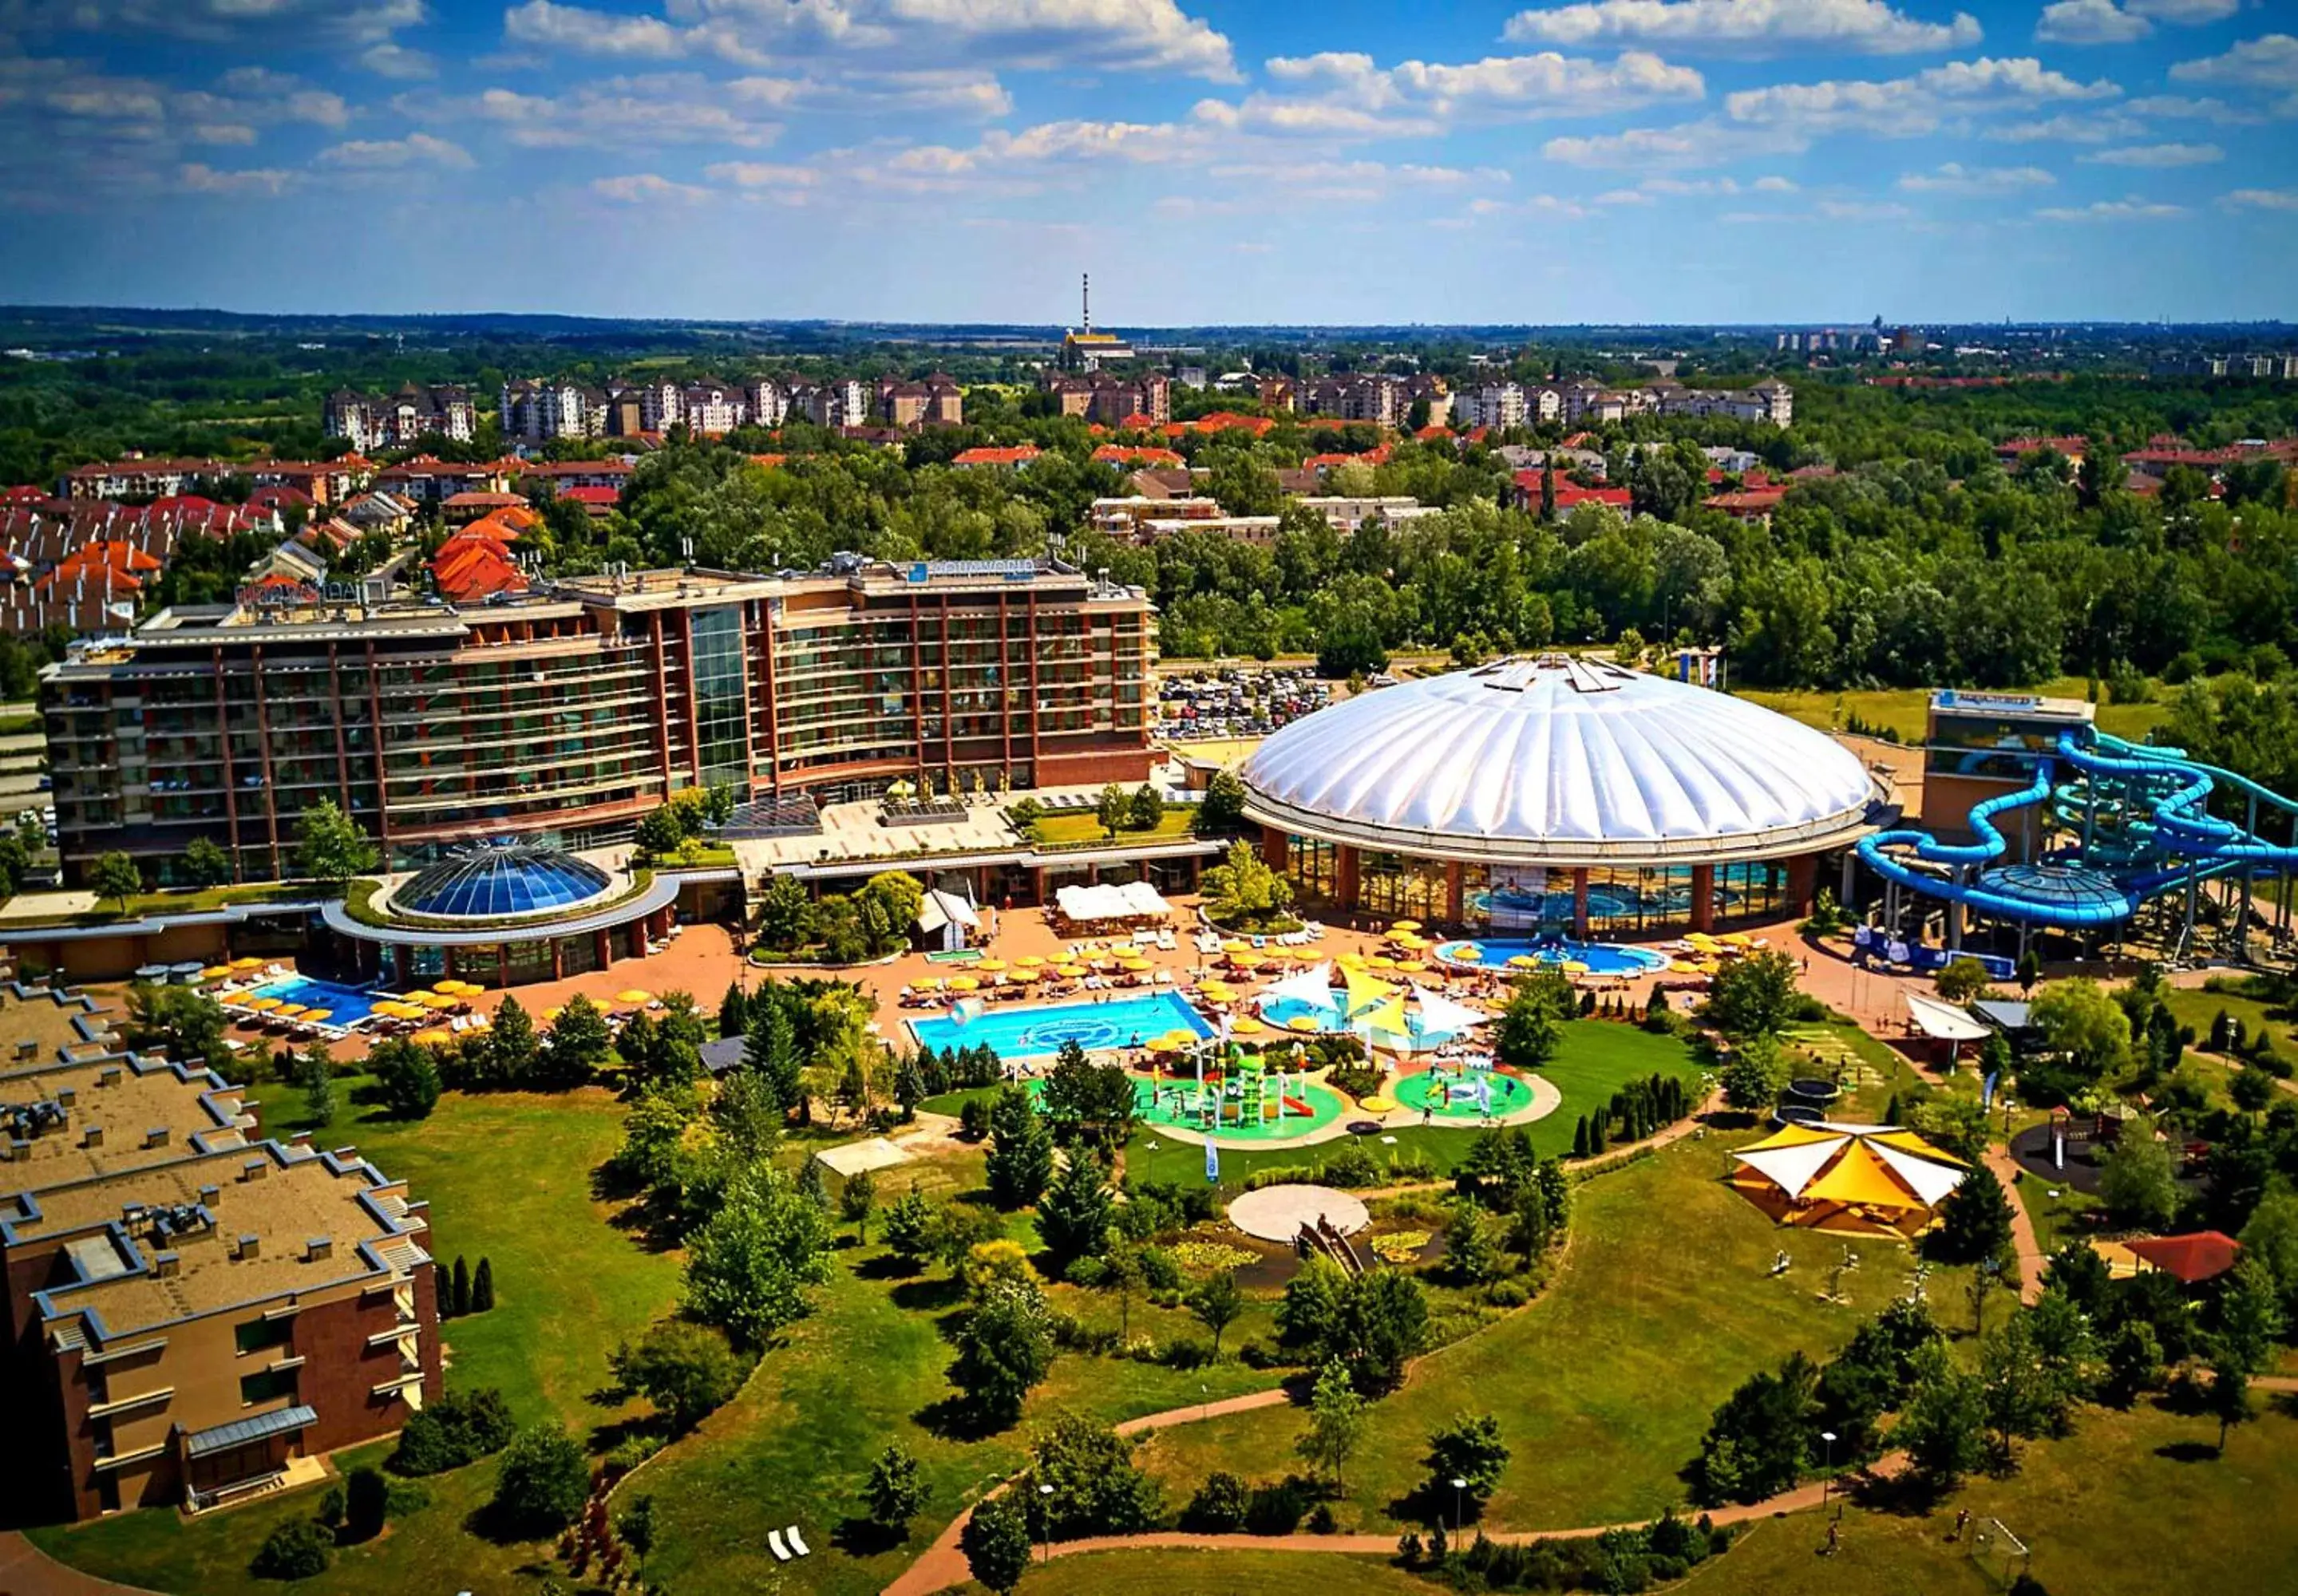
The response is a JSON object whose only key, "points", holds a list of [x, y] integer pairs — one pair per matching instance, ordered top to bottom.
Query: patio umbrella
{"points": [[1404, 925], [1234, 946], [1468, 953], [1028, 960], [1380, 961], [1524, 961], [246, 964], [1135, 965], [989, 966], [1576, 966], [215, 972], [1069, 972], [1027, 974], [963, 983], [634, 996], [437, 999], [260, 1003], [288, 1011], [550, 1015], [313, 1016], [1301, 1022], [1247, 1026], [434, 1037], [1175, 1038]]}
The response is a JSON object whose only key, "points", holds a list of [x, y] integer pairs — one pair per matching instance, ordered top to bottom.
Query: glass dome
{"points": [[501, 878]]}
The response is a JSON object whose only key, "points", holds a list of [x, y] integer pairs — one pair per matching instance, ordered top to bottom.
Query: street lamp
{"points": [[1828, 1436], [1460, 1513], [1047, 1514]]}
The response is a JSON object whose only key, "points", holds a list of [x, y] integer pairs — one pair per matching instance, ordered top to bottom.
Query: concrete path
{"points": [[2023, 1239], [25, 1571]]}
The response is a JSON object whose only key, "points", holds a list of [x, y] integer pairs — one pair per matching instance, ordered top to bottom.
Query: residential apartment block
{"points": [[1113, 400], [1770, 400], [400, 420], [569, 710], [193, 1312]]}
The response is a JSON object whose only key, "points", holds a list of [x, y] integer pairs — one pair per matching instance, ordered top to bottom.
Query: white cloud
{"points": [[2104, 22], [330, 23], [1743, 27], [1029, 35], [388, 60], [2268, 62], [963, 91], [1346, 93], [1910, 107], [679, 108], [2184, 108], [2072, 127], [220, 133], [1688, 146], [417, 149], [2156, 155], [762, 175], [1953, 177], [256, 182], [1774, 186], [645, 188], [1623, 196], [2262, 199], [2131, 209], [1862, 211]]}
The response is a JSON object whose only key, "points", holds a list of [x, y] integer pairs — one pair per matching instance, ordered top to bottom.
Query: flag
{"points": [[1986, 1091], [1212, 1164]]}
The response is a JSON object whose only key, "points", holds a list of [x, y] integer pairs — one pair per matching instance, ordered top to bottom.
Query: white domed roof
{"points": [[1558, 761]]}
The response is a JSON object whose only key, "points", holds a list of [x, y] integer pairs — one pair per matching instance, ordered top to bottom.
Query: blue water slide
{"points": [[2181, 822]]}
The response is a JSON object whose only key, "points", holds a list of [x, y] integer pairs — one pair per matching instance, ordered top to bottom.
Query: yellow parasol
{"points": [[1404, 925], [1234, 946], [1468, 953], [1028, 960], [1380, 961], [1524, 961], [246, 964], [1133, 965], [989, 966], [1576, 966], [1411, 967], [215, 972], [1069, 972], [1027, 974], [963, 983], [634, 996], [437, 999], [260, 1003], [287, 1011], [550, 1015], [313, 1016], [1301, 1022], [1247, 1027], [434, 1037], [1175, 1038], [1375, 1105]]}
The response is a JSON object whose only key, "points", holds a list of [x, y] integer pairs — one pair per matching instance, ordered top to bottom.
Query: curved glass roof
{"points": [[1560, 758], [501, 878], [2056, 883]]}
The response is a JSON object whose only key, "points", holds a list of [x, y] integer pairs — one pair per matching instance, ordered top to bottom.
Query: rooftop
{"points": [[123, 1100], [297, 1199]]}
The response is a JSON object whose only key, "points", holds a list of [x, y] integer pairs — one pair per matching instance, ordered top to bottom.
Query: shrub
{"points": [[459, 1428], [544, 1481], [366, 1503], [1219, 1507], [1276, 1510], [298, 1549]]}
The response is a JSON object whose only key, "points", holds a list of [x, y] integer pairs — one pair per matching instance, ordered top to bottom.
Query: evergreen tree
{"points": [[734, 1011], [770, 1048], [1580, 1138], [1021, 1150], [1075, 1217], [483, 1287], [459, 1290]]}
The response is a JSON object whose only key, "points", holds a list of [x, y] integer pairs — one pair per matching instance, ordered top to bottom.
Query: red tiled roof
{"points": [[1136, 422], [2013, 447], [1126, 454], [1018, 455], [768, 461], [1569, 493], [593, 496], [1749, 499], [484, 501], [2201, 1255]]}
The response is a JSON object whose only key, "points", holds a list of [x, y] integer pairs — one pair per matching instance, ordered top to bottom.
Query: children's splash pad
{"points": [[1495, 953], [1463, 1094], [1240, 1109]]}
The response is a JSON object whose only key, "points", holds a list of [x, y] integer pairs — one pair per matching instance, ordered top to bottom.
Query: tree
{"points": [[1223, 805], [1113, 809], [1145, 809], [660, 833], [330, 846], [206, 864], [115, 876], [1242, 888], [785, 916], [2029, 971], [1961, 980], [1755, 996], [733, 1011], [2081, 1020], [184, 1025], [1532, 1026], [578, 1045], [512, 1047], [770, 1050], [316, 1075], [1753, 1075], [406, 1077], [1088, 1104], [1021, 1159], [2138, 1180], [856, 1202], [1078, 1209], [1975, 1220], [908, 1229], [2271, 1238], [1472, 1251], [748, 1266], [483, 1286], [459, 1288], [1217, 1304], [2249, 1319], [1383, 1324], [1004, 1348], [2133, 1361], [688, 1371], [2230, 1397], [1337, 1422], [1943, 1424], [457, 1428], [1759, 1442], [1469, 1449], [1084, 1476], [544, 1481], [896, 1491], [995, 1541], [298, 1549]]}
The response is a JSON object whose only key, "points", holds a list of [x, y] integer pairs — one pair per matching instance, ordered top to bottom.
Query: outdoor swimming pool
{"points": [[1602, 958], [346, 1005], [1039, 1031]]}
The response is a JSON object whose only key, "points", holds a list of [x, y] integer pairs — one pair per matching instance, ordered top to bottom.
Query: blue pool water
{"points": [[1602, 958], [346, 1005], [1039, 1031]]}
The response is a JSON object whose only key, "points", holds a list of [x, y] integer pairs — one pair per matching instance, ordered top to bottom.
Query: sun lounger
{"points": [[774, 1540], [795, 1542]]}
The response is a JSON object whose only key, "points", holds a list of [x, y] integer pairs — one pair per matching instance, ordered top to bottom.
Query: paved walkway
{"points": [[2023, 1239], [25, 1571]]}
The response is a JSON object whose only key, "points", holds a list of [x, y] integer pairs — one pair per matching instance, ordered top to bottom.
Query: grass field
{"points": [[1904, 710], [1075, 830], [1596, 1059], [508, 1178], [1604, 1386], [1224, 1574]]}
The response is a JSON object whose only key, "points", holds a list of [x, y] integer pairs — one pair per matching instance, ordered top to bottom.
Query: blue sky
{"points": [[1241, 161]]}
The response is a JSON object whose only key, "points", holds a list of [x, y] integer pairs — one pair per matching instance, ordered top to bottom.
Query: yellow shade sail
{"points": [[1388, 1016], [1859, 1177]]}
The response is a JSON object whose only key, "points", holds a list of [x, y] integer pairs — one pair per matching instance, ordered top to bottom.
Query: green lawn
{"points": [[1905, 711], [1080, 829], [189, 902], [1598, 1056], [508, 1178], [1604, 1386], [2131, 1504], [1217, 1574]]}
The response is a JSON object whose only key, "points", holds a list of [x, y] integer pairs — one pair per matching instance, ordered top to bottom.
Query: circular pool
{"points": [[1602, 958], [1460, 1095]]}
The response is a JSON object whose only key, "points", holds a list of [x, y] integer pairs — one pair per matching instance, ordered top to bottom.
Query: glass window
{"points": [[257, 1334], [267, 1385]]}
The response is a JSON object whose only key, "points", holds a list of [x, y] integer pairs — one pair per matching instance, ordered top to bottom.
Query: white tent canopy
{"points": [[1135, 900], [938, 908], [1312, 986], [1440, 1014], [1944, 1020], [1791, 1169]]}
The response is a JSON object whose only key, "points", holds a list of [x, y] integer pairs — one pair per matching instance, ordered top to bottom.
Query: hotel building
{"points": [[564, 714]]}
